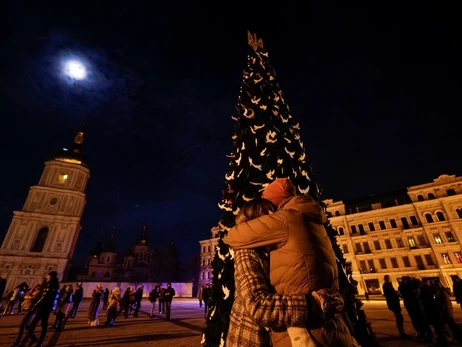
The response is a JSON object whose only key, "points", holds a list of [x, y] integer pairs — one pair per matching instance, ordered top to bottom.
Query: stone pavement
{"points": [[183, 329]]}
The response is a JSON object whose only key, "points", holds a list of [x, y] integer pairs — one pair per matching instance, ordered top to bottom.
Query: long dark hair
{"points": [[254, 209]]}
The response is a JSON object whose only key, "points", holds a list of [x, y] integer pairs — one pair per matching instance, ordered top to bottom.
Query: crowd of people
{"points": [[46, 298], [428, 304]]}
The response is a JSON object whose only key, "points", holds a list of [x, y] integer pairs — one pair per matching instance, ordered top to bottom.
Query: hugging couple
{"points": [[286, 275]]}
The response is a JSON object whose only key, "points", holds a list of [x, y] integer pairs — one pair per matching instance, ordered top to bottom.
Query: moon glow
{"points": [[75, 69]]}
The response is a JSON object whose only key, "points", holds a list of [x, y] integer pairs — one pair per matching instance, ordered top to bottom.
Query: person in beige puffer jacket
{"points": [[302, 260]]}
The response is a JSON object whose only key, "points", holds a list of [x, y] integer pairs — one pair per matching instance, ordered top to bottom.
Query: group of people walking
{"points": [[16, 298], [45, 298], [128, 303], [428, 304]]}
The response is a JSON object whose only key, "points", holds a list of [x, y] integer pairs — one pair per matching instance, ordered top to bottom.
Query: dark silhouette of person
{"points": [[457, 289], [409, 290], [168, 294], [206, 295], [138, 298], [105, 299], [76, 300], [393, 303], [40, 312], [434, 315]]}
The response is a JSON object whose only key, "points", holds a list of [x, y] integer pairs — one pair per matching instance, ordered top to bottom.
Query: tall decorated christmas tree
{"points": [[266, 146]]}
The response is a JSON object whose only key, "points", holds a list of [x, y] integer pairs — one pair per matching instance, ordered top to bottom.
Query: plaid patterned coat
{"points": [[254, 304]]}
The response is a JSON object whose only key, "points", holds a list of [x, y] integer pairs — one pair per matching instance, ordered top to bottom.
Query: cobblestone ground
{"points": [[183, 329]]}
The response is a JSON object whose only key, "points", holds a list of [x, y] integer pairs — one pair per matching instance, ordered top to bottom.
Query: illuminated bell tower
{"points": [[43, 235]]}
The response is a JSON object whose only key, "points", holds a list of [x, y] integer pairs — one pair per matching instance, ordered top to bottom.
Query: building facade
{"points": [[413, 232], [416, 232], [43, 235], [207, 252]]}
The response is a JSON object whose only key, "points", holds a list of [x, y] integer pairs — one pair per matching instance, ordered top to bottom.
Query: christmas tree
{"points": [[266, 145]]}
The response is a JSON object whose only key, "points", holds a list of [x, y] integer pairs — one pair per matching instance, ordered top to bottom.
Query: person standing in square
{"points": [[169, 294]]}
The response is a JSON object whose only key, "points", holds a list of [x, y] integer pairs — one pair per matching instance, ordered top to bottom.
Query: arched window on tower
{"points": [[431, 196], [420, 198], [459, 212], [337, 213], [440, 216], [429, 218], [341, 231], [40, 240]]}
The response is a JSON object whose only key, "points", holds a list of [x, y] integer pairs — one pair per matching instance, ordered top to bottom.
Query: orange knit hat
{"points": [[279, 190]]}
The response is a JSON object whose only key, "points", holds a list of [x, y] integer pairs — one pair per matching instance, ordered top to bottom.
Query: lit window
{"points": [[62, 178], [449, 236], [437, 238], [411, 241], [458, 257], [446, 258]]}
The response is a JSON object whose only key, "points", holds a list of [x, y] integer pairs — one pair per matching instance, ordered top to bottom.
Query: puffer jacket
{"points": [[302, 257], [114, 298]]}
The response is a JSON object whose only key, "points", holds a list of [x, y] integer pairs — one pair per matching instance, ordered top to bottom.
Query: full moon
{"points": [[75, 69]]}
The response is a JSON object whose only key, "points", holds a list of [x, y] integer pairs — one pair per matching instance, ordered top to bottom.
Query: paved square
{"points": [[183, 329]]}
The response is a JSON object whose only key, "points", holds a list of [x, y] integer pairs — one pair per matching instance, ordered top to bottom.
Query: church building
{"points": [[43, 235], [105, 264]]}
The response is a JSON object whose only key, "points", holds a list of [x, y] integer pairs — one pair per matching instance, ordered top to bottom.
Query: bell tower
{"points": [[43, 235]]}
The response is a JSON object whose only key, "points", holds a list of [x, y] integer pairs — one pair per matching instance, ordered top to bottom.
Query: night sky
{"points": [[377, 91]]}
